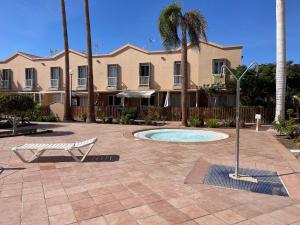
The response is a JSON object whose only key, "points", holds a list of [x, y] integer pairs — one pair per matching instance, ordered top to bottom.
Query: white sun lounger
{"points": [[38, 149]]}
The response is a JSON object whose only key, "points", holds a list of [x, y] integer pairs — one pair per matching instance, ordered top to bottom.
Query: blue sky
{"points": [[34, 26]]}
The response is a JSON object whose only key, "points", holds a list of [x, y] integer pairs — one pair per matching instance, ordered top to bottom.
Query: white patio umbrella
{"points": [[167, 100]]}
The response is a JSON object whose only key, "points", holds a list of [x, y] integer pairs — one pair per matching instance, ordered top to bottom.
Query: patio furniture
{"points": [[38, 149]]}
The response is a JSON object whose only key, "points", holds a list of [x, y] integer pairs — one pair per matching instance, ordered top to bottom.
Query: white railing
{"points": [[144, 80], [177, 80], [81, 81], [112, 81], [28, 83], [54, 83], [4, 84]]}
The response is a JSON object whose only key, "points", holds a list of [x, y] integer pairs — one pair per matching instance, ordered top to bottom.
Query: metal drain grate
{"points": [[268, 182]]}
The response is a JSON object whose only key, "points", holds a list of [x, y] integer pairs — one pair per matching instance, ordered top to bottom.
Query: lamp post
{"points": [[71, 73], [238, 79]]}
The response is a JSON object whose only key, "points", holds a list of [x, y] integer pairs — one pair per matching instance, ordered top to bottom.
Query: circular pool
{"points": [[180, 135]]}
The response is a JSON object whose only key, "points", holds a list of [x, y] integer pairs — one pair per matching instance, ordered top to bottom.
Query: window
{"points": [[217, 66], [29, 73], [177, 73], [145, 74], [82, 75], [112, 75], [54, 77], [5, 78], [113, 100]]}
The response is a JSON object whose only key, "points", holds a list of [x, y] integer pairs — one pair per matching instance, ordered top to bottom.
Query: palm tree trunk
{"points": [[280, 59], [184, 74], [67, 104], [91, 107]]}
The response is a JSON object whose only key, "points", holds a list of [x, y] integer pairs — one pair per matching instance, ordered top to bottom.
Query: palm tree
{"points": [[193, 23], [280, 59], [67, 104], [91, 106]]}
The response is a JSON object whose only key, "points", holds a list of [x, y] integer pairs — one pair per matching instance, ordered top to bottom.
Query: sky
{"points": [[35, 27]]}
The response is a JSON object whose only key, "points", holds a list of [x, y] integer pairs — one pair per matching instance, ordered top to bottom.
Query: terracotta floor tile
{"points": [[123, 195], [78, 196], [103, 199], [132, 202], [83, 203], [161, 206], [110, 207], [58, 209], [193, 211], [141, 212], [87, 213], [175, 216], [229, 216], [120, 218], [62, 219], [153, 220], [209, 220], [94, 221]]}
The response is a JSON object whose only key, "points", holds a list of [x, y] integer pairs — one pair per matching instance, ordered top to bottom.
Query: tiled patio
{"points": [[145, 185]]}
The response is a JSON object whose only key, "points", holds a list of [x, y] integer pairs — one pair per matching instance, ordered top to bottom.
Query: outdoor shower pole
{"points": [[237, 127], [236, 174]]}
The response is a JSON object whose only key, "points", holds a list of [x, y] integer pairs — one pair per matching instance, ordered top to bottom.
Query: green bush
{"points": [[16, 104], [131, 113], [49, 118], [194, 122], [212, 123], [229, 123], [286, 127]]}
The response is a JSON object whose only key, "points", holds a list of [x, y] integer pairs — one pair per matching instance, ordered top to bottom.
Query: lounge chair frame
{"points": [[39, 149]]}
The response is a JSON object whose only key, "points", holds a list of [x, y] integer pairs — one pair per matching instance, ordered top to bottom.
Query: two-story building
{"points": [[127, 76]]}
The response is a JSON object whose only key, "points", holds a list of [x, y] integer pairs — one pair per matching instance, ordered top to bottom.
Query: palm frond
{"points": [[168, 23], [197, 27]]}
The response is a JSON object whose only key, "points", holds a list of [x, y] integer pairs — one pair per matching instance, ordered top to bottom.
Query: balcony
{"points": [[219, 81], [144, 82], [177, 82], [112, 83], [4, 84], [54, 84], [81, 84], [28, 85]]}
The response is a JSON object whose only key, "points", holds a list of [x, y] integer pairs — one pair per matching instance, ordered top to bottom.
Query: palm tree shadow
{"points": [[52, 134], [90, 158]]}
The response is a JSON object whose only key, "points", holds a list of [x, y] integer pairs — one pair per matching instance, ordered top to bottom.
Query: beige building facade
{"points": [[128, 76]]}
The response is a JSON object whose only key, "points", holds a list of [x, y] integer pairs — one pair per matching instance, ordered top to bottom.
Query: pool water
{"points": [[181, 135]]}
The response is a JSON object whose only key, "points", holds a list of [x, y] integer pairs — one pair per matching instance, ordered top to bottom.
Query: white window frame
{"points": [[220, 62], [177, 77], [5, 79], [112, 79], [144, 80], [29, 81], [82, 81], [54, 82]]}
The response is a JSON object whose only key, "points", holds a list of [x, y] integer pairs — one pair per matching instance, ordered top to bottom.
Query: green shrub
{"points": [[131, 113], [290, 113], [49, 118], [194, 122], [212, 123], [229, 123], [286, 127]]}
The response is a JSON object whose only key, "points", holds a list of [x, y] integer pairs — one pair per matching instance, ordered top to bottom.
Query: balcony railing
{"points": [[144, 80], [177, 80], [112, 81], [82, 82], [28, 83], [54, 83], [4, 84]]}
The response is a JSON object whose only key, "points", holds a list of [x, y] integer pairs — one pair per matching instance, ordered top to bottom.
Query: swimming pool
{"points": [[181, 135]]}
